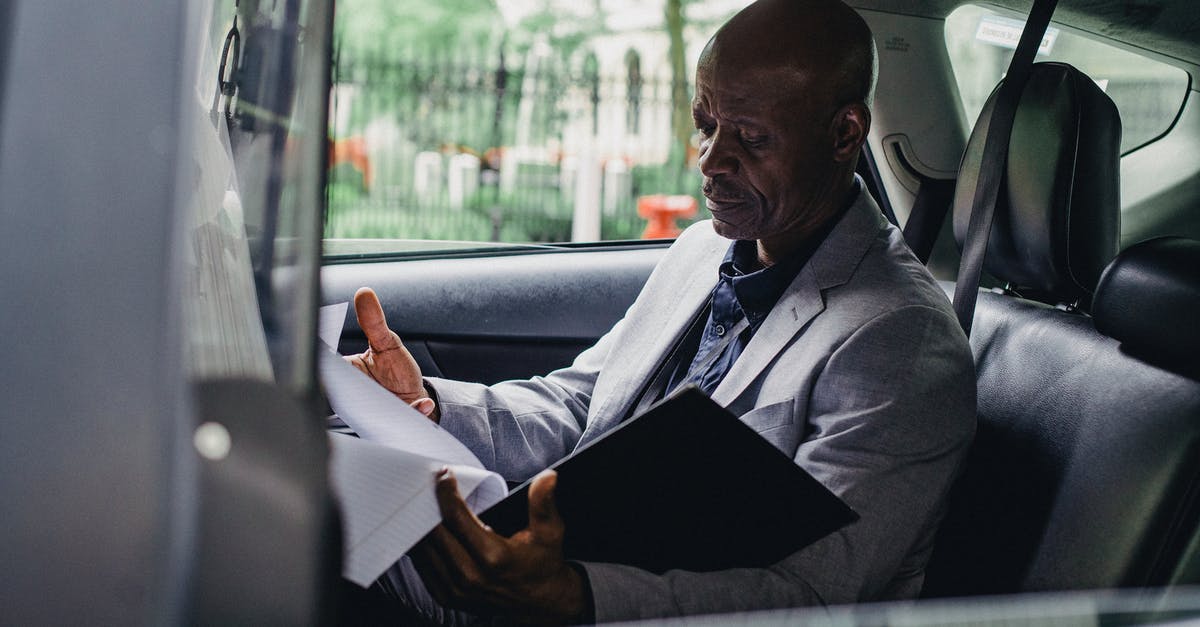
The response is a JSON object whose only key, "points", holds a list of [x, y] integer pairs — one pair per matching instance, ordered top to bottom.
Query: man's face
{"points": [[765, 148]]}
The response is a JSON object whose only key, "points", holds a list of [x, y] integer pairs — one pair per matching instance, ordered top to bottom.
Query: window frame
{"points": [[1187, 68]]}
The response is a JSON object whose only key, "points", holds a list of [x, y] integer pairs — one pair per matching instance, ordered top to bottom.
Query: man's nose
{"points": [[717, 155]]}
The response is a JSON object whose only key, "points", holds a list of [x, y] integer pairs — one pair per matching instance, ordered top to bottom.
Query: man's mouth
{"points": [[719, 199], [722, 204]]}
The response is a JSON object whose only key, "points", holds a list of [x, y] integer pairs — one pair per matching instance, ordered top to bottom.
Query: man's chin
{"points": [[737, 219], [728, 230]]}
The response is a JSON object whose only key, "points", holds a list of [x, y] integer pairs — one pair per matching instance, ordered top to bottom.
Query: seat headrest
{"points": [[1058, 209], [1149, 297]]}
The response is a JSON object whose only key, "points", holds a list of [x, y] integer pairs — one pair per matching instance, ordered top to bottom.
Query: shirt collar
{"points": [[756, 292]]}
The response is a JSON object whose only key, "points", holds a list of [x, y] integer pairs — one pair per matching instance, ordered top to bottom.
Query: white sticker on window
{"points": [[1006, 32]]}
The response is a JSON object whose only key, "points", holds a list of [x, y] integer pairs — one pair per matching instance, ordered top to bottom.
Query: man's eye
{"points": [[706, 130], [755, 141]]}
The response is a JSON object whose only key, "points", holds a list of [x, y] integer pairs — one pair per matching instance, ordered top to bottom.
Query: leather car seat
{"points": [[1057, 221], [1160, 276], [1084, 471]]}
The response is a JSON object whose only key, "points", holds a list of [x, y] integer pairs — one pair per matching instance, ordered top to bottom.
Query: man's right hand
{"points": [[386, 360]]}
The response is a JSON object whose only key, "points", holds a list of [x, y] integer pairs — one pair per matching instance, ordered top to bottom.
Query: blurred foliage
{"points": [[376, 27], [564, 33], [426, 77], [666, 179], [528, 215], [368, 220]]}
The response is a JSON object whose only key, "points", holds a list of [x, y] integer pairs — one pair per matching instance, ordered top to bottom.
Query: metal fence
{"points": [[500, 148]]}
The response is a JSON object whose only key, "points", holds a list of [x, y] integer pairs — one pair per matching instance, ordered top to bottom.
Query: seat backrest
{"points": [[1057, 221], [1149, 297], [1084, 469], [1084, 472]]}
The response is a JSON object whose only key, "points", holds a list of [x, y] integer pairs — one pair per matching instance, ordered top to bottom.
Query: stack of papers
{"points": [[384, 479]]}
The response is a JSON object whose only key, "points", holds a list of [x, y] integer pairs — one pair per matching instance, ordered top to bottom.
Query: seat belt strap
{"points": [[994, 163], [874, 184], [927, 216]]}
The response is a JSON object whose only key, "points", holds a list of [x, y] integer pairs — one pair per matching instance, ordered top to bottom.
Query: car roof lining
{"points": [[1168, 27]]}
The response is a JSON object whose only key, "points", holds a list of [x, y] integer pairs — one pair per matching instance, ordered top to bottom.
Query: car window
{"points": [[1148, 93], [513, 122], [254, 195]]}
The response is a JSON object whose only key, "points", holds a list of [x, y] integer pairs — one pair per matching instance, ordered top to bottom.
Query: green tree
{"points": [[379, 27], [563, 32], [681, 102]]}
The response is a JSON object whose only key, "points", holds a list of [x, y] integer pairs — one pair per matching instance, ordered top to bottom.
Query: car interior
{"points": [[132, 363], [1084, 470]]}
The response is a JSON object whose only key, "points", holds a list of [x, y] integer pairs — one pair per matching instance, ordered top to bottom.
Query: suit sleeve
{"points": [[889, 419], [517, 428]]}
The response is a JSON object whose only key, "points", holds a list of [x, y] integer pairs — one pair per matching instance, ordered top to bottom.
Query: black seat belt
{"points": [[994, 163], [870, 175], [929, 210]]}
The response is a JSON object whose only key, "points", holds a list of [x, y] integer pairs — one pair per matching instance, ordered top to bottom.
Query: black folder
{"points": [[685, 485]]}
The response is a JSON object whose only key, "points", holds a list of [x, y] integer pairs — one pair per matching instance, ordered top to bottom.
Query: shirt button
{"points": [[720, 330]]}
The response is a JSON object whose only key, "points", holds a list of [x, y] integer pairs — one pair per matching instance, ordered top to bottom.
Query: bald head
{"points": [[822, 44], [782, 109]]}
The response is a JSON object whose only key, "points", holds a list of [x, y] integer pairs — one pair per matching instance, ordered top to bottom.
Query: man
{"points": [[816, 326]]}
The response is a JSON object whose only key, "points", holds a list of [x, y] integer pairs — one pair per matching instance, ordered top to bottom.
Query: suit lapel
{"points": [[832, 264], [799, 304], [649, 343]]}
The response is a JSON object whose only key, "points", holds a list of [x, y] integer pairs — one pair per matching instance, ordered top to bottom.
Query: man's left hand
{"points": [[466, 565]]}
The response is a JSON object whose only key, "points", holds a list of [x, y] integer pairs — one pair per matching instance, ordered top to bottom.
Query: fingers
{"points": [[372, 321], [357, 362], [424, 405], [545, 524], [488, 548], [456, 561], [471, 567], [451, 568], [434, 571]]}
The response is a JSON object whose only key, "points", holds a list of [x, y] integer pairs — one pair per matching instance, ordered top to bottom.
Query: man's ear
{"points": [[850, 126]]}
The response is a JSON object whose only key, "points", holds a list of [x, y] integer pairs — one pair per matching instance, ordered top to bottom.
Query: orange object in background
{"points": [[352, 150], [661, 211]]}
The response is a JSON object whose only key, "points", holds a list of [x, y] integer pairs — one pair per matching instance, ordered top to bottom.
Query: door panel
{"points": [[491, 318]]}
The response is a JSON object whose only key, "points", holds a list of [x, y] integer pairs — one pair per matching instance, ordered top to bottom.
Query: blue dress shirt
{"points": [[745, 291]]}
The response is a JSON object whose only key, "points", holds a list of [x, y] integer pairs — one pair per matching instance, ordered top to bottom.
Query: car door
{"points": [[492, 316]]}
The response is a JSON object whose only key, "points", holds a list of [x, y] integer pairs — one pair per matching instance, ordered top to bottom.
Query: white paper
{"points": [[330, 321], [378, 415], [384, 479], [388, 501]]}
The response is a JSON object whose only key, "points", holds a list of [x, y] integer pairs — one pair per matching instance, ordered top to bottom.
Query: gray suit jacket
{"points": [[860, 373]]}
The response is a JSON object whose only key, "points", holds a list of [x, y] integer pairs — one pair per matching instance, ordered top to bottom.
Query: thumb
{"points": [[372, 321], [545, 523]]}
